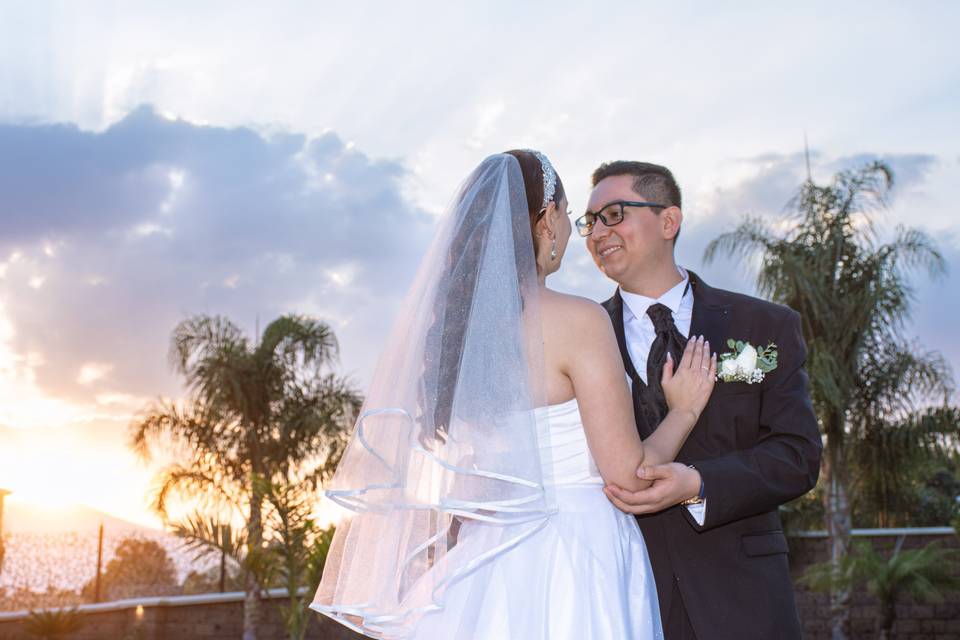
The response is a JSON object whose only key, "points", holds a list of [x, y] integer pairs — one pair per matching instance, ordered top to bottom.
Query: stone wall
{"points": [[220, 616], [207, 617]]}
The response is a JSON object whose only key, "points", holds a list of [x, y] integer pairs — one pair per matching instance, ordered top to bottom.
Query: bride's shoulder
{"points": [[563, 309], [574, 326]]}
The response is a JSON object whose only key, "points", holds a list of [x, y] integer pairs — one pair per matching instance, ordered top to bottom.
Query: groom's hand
{"points": [[672, 484]]}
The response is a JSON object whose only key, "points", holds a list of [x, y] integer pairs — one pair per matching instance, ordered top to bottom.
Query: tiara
{"points": [[549, 177]]}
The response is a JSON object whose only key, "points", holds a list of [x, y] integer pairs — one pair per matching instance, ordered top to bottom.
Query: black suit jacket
{"points": [[756, 447]]}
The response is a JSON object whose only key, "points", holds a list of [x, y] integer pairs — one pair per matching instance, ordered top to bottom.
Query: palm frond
{"points": [[750, 236], [201, 337], [297, 339], [897, 379], [191, 424], [203, 481], [206, 535], [53, 623]]}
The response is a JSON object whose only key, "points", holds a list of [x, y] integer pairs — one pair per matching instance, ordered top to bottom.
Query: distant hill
{"points": [[26, 518], [57, 547]]}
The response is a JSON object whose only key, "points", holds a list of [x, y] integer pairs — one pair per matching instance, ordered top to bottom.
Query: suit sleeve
{"points": [[785, 462]]}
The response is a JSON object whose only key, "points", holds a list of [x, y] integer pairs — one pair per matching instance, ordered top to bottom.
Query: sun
{"points": [[28, 488], [40, 497]]}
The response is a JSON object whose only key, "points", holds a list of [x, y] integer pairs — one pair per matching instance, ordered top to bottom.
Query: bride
{"points": [[498, 410]]}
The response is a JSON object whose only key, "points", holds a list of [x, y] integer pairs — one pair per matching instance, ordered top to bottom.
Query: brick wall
{"points": [[183, 618], [914, 621]]}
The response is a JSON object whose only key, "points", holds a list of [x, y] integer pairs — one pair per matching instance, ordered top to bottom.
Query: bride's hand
{"points": [[689, 387]]}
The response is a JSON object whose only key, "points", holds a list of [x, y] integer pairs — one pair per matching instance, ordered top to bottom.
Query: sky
{"points": [[167, 159]]}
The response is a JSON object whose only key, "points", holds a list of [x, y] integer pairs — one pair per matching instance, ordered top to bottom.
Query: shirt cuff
{"points": [[698, 511]]}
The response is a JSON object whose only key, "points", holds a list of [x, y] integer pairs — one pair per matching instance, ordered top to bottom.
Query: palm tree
{"points": [[853, 295], [256, 411], [891, 457], [299, 550], [293, 556], [923, 574], [53, 623]]}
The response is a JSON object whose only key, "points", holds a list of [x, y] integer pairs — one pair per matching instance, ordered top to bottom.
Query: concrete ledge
{"points": [[873, 533], [152, 601]]}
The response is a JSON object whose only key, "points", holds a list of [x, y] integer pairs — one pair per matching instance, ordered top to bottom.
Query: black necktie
{"points": [[668, 340], [646, 418]]}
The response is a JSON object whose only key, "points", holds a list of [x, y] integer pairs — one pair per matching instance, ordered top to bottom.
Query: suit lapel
{"points": [[614, 307], [711, 313]]}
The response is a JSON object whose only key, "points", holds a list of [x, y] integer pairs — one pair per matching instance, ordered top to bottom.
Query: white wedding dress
{"points": [[584, 575]]}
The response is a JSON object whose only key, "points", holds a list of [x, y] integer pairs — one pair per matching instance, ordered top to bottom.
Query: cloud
{"points": [[910, 170], [108, 239]]}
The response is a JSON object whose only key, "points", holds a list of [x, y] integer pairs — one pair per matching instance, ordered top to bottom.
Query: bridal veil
{"points": [[447, 433]]}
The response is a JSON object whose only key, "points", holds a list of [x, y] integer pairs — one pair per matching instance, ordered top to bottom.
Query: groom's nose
{"points": [[600, 232]]}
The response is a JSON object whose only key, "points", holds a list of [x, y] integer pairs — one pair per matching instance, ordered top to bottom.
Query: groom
{"points": [[709, 519]]}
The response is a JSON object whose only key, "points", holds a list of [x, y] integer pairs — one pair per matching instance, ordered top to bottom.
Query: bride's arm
{"points": [[594, 366]]}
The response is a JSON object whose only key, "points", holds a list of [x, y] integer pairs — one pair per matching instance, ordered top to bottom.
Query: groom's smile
{"points": [[608, 248], [606, 251], [609, 251]]}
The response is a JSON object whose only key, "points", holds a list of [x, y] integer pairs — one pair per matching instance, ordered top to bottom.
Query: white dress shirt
{"points": [[639, 333]]}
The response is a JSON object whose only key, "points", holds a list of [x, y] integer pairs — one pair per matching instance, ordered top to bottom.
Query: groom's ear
{"points": [[671, 219]]}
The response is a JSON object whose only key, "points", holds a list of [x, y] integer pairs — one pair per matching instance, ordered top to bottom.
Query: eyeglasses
{"points": [[611, 215]]}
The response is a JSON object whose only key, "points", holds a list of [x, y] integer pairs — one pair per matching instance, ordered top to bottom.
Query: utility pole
{"points": [[3, 494], [96, 592]]}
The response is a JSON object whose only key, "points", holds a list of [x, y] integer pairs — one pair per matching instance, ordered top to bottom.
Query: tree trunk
{"points": [[839, 523], [223, 567], [252, 613], [888, 615]]}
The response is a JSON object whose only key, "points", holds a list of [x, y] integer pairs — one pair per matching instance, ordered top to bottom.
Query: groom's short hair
{"points": [[653, 182]]}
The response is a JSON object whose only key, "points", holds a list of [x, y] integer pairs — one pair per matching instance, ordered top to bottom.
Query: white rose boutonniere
{"points": [[746, 363]]}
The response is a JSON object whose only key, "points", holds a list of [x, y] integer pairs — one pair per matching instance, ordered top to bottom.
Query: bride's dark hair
{"points": [[533, 183], [449, 327]]}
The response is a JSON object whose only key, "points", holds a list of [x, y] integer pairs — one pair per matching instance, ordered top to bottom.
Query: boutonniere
{"points": [[746, 363]]}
